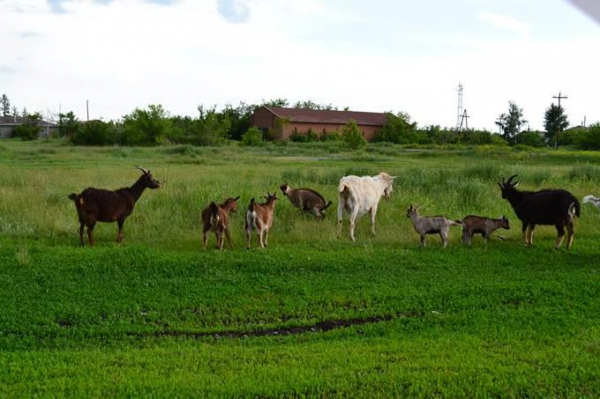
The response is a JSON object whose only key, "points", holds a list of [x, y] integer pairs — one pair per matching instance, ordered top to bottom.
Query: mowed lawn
{"points": [[312, 315]]}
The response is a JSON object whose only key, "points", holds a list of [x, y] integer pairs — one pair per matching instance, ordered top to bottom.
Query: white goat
{"points": [[359, 195], [590, 199]]}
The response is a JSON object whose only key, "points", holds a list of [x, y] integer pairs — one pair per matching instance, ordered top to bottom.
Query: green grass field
{"points": [[158, 316]]}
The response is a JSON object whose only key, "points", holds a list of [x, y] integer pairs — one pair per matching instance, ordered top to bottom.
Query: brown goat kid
{"points": [[306, 200], [98, 205], [215, 218], [260, 218], [481, 225]]}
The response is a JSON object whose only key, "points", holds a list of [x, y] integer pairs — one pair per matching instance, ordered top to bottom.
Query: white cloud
{"points": [[506, 22]]}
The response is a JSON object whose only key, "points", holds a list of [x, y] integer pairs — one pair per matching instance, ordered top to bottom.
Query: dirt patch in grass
{"points": [[322, 326]]}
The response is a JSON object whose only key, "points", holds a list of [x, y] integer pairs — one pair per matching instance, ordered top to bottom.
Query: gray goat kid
{"points": [[306, 199], [473, 224], [431, 225]]}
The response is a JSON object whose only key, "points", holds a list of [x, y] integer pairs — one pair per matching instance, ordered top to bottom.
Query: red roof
{"points": [[329, 117]]}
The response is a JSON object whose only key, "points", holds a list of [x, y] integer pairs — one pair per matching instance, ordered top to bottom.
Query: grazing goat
{"points": [[359, 195], [306, 199], [590, 199], [98, 205], [545, 207], [215, 218], [260, 218], [431, 225], [481, 225]]}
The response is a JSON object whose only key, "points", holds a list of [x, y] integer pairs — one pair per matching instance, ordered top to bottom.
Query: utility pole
{"points": [[560, 96], [460, 106], [87, 108], [464, 118]]}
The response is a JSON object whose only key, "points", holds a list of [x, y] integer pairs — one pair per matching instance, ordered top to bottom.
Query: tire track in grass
{"points": [[320, 327]]}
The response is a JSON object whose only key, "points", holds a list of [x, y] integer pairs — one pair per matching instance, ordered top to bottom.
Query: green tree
{"points": [[277, 102], [5, 105], [555, 121], [511, 122], [67, 124], [146, 126], [30, 129], [398, 129], [95, 132], [352, 135], [590, 138]]}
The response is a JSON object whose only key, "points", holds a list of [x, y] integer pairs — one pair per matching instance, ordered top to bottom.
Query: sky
{"points": [[378, 55]]}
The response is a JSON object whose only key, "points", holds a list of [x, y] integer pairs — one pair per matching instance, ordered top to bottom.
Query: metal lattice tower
{"points": [[460, 111]]}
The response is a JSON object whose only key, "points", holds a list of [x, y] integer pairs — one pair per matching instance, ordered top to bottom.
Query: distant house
{"points": [[283, 122], [9, 123]]}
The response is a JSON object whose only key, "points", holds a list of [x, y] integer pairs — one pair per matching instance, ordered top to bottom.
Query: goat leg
{"points": [[81, 227], [90, 231], [120, 233], [571, 233], [561, 236]]}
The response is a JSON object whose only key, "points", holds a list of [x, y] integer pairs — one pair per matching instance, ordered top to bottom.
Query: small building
{"points": [[9, 123], [281, 123]]}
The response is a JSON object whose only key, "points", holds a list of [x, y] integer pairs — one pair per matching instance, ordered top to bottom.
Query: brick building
{"points": [[283, 122]]}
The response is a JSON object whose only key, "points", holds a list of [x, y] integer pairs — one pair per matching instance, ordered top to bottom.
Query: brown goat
{"points": [[306, 199], [98, 205], [260, 217], [216, 218], [481, 225]]}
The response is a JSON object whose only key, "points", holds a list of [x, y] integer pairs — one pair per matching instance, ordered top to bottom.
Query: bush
{"points": [[30, 130], [94, 133], [332, 135], [352, 135], [253, 137], [309, 137], [590, 138], [532, 139]]}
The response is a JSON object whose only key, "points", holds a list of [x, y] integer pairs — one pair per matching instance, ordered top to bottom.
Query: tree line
{"points": [[211, 127]]}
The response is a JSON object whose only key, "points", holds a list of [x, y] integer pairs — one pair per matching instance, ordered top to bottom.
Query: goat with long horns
{"points": [[545, 207]]}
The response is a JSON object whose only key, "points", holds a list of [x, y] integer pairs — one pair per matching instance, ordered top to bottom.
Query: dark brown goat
{"points": [[306, 199], [98, 205], [546, 207], [260, 217], [216, 218], [481, 225]]}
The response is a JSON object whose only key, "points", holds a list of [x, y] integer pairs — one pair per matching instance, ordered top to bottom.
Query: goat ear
{"points": [[236, 198]]}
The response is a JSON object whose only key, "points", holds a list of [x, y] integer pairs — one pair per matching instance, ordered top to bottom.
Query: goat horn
{"points": [[142, 169], [509, 181], [236, 198]]}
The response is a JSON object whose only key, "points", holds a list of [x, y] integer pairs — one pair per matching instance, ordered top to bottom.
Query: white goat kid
{"points": [[359, 195]]}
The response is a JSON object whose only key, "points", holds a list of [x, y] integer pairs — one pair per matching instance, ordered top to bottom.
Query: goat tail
{"points": [[343, 187], [73, 197], [327, 205], [251, 206], [575, 208], [214, 213], [456, 223]]}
